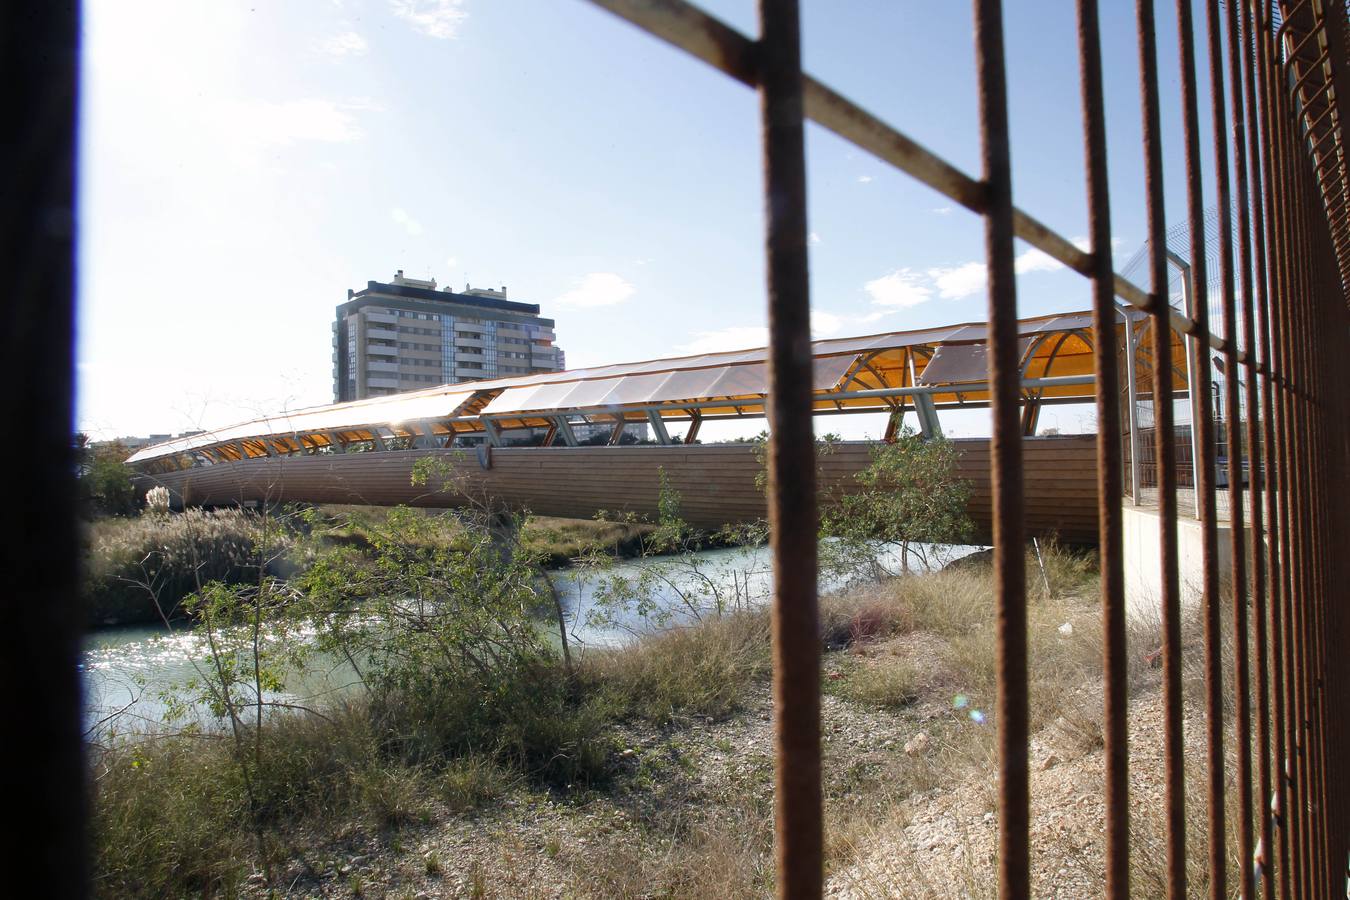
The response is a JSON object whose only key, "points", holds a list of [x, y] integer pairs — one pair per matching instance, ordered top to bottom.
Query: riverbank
{"points": [[138, 569], [650, 772]]}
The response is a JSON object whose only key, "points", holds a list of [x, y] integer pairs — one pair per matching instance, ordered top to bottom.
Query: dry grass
{"points": [[554, 540], [558, 541], [131, 561], [702, 670]]}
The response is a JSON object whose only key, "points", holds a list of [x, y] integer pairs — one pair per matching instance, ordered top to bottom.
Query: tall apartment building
{"points": [[406, 335]]}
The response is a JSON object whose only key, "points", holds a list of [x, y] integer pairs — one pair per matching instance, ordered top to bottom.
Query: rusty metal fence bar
{"points": [[1283, 266], [1228, 303], [1202, 432], [1006, 452], [792, 459], [1110, 470], [1174, 802], [1249, 808]]}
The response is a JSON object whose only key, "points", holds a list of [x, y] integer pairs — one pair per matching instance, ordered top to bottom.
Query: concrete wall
{"points": [[1143, 578]]}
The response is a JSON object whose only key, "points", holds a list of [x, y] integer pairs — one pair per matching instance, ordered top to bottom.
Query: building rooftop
{"points": [[418, 289]]}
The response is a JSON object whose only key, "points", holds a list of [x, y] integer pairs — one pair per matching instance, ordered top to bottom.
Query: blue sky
{"points": [[244, 163]]}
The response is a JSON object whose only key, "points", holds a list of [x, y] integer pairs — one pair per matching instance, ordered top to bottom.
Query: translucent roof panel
{"points": [[952, 355], [437, 404]]}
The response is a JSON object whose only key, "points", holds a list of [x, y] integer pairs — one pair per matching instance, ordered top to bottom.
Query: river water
{"points": [[133, 676]]}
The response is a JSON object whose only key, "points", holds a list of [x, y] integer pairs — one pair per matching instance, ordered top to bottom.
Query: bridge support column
{"points": [[695, 420], [929, 426], [658, 427], [565, 429]]}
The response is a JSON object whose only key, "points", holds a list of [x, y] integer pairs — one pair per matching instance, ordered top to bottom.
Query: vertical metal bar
{"points": [[1249, 207], [1268, 283], [1194, 347], [1131, 362], [1287, 418], [1202, 438], [1165, 450], [1006, 452], [1307, 483], [1236, 518], [1320, 525], [1110, 526], [46, 799], [799, 841], [1291, 850]]}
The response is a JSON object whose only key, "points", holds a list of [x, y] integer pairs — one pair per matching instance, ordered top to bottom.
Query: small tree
{"points": [[105, 479], [910, 494]]}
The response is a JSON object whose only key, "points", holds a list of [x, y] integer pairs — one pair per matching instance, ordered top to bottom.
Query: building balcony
{"points": [[385, 318], [381, 334], [381, 350], [381, 366], [382, 381]]}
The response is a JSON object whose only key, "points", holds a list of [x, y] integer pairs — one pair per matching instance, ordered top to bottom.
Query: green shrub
{"points": [[105, 485], [908, 494]]}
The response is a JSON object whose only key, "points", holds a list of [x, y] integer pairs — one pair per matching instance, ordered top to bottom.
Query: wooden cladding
{"points": [[716, 482]]}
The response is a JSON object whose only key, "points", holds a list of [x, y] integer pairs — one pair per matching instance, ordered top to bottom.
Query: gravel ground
{"points": [[682, 786], [942, 843]]}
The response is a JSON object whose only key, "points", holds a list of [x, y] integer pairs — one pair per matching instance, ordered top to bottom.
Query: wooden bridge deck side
{"points": [[716, 482]]}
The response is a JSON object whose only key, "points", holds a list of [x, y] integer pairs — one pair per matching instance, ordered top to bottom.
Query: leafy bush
{"points": [[104, 479], [909, 494], [446, 640]]}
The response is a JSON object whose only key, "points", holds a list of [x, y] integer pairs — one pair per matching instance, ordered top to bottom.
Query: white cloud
{"points": [[434, 18], [348, 43], [864, 179], [943, 210], [410, 225], [813, 238], [1034, 260], [452, 262], [959, 281], [901, 288], [597, 289], [824, 324], [736, 337], [749, 337]]}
